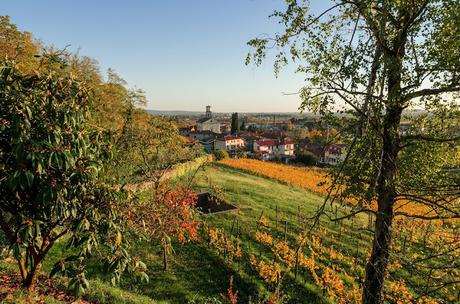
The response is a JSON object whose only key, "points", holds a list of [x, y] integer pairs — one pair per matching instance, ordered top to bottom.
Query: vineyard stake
{"points": [[276, 221], [258, 222], [233, 225], [285, 230]]}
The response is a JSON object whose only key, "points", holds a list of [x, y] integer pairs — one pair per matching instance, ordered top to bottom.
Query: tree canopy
{"points": [[373, 60]]}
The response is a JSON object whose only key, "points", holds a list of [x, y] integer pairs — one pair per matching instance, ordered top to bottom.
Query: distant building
{"points": [[208, 123], [404, 128], [249, 139], [229, 143], [306, 146], [269, 149], [334, 154]]}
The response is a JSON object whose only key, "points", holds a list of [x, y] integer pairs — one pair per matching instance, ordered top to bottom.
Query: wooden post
{"points": [[298, 214], [336, 215], [260, 217], [319, 217], [276, 221], [233, 225], [340, 228], [285, 230], [404, 245], [357, 247], [296, 265]]}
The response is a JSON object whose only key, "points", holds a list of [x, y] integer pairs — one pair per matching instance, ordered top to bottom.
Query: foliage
{"points": [[18, 46], [397, 56], [235, 127], [150, 148], [221, 154], [307, 159], [52, 164], [311, 179], [166, 216], [224, 244], [231, 297]]}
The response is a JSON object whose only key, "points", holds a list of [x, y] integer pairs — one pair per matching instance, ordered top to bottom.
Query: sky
{"points": [[185, 54]]}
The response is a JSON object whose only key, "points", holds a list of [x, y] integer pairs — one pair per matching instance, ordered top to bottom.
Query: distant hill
{"points": [[175, 113], [199, 113], [408, 114]]}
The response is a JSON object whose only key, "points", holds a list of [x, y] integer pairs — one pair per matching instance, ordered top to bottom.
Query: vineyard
{"points": [[307, 178], [313, 179], [271, 236], [268, 249]]}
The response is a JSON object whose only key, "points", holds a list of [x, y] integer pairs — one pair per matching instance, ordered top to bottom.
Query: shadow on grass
{"points": [[195, 272]]}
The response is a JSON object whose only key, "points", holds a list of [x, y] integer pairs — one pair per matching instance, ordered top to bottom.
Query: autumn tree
{"points": [[18, 46], [373, 60], [52, 163], [166, 216]]}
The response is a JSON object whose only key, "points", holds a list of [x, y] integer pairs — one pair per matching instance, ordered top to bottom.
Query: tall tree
{"points": [[17, 45], [374, 59], [235, 124], [243, 125]]}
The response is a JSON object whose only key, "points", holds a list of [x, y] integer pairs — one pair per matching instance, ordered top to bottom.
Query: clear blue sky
{"points": [[185, 54]]}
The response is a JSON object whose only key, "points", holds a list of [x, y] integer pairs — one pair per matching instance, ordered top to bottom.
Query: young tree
{"points": [[373, 60], [149, 147], [51, 165], [166, 216]]}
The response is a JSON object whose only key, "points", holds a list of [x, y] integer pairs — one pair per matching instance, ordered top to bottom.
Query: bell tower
{"points": [[208, 112]]}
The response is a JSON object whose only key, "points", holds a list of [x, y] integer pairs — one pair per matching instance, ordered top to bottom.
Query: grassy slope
{"points": [[197, 272]]}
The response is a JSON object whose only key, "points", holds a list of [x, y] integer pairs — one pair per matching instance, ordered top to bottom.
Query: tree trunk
{"points": [[376, 267], [29, 282]]}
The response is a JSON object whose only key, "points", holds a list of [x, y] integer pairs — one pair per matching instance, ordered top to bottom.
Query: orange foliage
{"points": [[306, 178], [312, 179], [264, 238], [224, 244]]}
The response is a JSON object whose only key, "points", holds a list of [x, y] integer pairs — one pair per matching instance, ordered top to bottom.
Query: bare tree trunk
{"points": [[377, 264], [376, 267], [29, 282]]}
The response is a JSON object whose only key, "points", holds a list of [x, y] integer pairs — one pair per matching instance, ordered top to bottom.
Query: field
{"points": [[200, 271]]}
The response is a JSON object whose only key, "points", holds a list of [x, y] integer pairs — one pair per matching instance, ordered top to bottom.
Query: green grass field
{"points": [[198, 274]]}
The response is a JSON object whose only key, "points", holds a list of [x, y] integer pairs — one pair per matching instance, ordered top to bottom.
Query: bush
{"points": [[221, 154], [241, 154]]}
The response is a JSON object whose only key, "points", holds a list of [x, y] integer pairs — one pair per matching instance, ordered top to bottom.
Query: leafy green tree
{"points": [[372, 60], [243, 126], [235, 127], [149, 147], [308, 159], [52, 165]]}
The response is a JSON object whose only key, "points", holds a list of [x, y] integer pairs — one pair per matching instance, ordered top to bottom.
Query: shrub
{"points": [[221, 154], [308, 159], [51, 173]]}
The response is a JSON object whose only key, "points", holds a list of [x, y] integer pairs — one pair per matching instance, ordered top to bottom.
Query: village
{"points": [[289, 140]]}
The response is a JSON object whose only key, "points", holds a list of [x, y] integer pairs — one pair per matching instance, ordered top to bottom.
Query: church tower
{"points": [[208, 112]]}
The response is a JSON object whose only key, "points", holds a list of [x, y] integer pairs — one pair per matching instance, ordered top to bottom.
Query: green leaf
{"points": [[29, 178]]}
